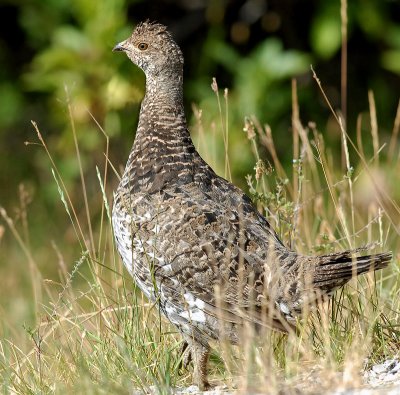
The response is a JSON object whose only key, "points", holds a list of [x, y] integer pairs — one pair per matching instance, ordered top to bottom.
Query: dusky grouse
{"points": [[194, 243]]}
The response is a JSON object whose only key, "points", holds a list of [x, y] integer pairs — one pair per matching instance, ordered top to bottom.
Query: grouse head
{"points": [[152, 48]]}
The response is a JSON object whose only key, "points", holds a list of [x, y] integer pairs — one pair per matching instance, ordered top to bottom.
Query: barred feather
{"points": [[194, 243]]}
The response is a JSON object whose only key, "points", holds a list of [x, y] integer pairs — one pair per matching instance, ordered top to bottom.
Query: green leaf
{"points": [[326, 35], [391, 61]]}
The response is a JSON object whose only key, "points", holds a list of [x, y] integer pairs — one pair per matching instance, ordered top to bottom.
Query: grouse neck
{"points": [[162, 106], [162, 118], [162, 143]]}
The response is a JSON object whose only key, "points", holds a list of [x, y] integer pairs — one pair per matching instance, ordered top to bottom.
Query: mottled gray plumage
{"points": [[193, 242]]}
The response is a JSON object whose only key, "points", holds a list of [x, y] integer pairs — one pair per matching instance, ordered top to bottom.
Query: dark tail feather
{"points": [[335, 270]]}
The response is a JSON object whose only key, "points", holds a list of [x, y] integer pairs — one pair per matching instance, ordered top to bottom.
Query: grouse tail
{"points": [[335, 270]]}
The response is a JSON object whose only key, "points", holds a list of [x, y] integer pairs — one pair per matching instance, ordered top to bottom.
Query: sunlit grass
{"points": [[96, 333]]}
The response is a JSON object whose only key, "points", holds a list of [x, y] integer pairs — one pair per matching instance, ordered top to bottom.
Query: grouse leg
{"points": [[199, 354], [186, 355]]}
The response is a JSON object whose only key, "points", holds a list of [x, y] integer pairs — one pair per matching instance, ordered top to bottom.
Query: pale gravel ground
{"points": [[381, 379]]}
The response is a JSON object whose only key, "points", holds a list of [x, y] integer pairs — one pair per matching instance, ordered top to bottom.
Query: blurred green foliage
{"points": [[58, 70]]}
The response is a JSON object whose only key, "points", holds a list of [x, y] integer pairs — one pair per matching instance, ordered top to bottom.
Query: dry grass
{"points": [[95, 333]]}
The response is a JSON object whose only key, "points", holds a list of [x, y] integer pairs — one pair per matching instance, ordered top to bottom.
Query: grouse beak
{"points": [[119, 47]]}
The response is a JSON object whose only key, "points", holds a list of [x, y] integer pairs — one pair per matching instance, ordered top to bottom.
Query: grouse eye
{"points": [[143, 46]]}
